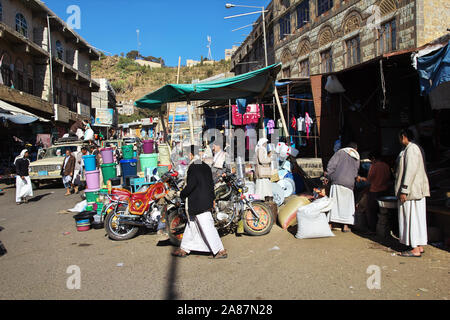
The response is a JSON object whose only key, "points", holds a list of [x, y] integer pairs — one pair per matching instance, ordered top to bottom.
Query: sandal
{"points": [[179, 253], [409, 254], [219, 255]]}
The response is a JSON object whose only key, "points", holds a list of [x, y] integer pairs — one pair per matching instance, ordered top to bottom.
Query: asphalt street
{"points": [[43, 244]]}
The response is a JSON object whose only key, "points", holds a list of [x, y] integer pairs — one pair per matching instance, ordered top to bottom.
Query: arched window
{"points": [[21, 25], [59, 49], [5, 68], [19, 83]]}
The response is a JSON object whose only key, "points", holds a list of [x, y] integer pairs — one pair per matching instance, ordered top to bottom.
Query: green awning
{"points": [[246, 85]]}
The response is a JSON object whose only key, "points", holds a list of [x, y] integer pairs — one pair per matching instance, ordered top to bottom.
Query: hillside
{"points": [[132, 81]]}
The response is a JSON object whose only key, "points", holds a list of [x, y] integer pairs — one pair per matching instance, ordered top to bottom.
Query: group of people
{"points": [[411, 187]]}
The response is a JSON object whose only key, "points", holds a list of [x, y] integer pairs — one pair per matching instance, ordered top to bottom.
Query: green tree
{"points": [[133, 54]]}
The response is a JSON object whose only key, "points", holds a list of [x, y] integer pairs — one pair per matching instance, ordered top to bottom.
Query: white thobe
{"points": [[23, 188], [343, 209], [412, 223], [201, 235]]}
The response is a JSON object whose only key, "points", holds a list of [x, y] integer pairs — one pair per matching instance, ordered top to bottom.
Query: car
{"points": [[47, 168]]}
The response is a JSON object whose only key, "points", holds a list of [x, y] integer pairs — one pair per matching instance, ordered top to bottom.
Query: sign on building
{"points": [[104, 117]]}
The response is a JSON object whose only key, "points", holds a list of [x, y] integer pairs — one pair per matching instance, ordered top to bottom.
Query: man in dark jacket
{"points": [[67, 170], [24, 189], [200, 233]]}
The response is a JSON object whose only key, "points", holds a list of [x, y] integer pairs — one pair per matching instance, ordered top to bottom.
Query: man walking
{"points": [[68, 170], [342, 170], [23, 181], [411, 188], [200, 233]]}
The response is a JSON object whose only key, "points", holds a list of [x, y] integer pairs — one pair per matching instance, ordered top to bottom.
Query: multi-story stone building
{"points": [[45, 65]]}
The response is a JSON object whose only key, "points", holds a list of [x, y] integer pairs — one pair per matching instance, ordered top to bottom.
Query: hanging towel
{"points": [[308, 123]]}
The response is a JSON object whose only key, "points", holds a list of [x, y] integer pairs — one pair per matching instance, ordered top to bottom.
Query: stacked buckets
{"points": [[148, 159], [128, 164], [109, 170], [92, 179]]}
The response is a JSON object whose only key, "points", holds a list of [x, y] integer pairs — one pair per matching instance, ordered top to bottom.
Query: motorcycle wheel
{"points": [[261, 226], [175, 227], [116, 231]]}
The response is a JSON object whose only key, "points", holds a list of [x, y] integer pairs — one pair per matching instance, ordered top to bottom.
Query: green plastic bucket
{"points": [[127, 151], [148, 160], [162, 169], [109, 171], [91, 196], [99, 208]]}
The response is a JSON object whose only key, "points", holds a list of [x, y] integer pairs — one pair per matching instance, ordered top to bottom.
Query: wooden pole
{"points": [[280, 110], [175, 111], [191, 125]]}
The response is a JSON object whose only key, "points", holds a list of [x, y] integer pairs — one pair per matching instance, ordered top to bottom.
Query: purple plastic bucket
{"points": [[147, 146], [107, 155], [93, 179]]}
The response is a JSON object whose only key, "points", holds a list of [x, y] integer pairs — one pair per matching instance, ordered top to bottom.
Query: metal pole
{"points": [[264, 31]]}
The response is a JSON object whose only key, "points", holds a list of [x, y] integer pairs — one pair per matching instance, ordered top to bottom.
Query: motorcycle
{"points": [[231, 207], [127, 212]]}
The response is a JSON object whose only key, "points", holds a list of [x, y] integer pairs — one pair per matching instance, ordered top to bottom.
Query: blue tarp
{"points": [[434, 69]]}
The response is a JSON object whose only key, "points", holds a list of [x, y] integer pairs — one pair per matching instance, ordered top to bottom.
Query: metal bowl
{"points": [[389, 202]]}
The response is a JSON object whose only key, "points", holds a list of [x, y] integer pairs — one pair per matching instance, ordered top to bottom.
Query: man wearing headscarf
{"points": [[218, 165], [342, 170], [67, 171], [23, 181], [200, 233]]}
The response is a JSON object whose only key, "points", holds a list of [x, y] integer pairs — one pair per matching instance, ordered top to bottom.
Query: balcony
{"points": [[21, 42], [70, 71], [17, 97]]}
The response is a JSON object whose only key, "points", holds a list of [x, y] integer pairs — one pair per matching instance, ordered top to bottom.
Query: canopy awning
{"points": [[246, 85], [17, 115]]}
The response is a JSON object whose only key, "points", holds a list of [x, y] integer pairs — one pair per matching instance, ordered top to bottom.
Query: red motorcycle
{"points": [[127, 212]]}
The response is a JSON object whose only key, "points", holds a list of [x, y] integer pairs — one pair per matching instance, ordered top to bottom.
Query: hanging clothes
{"points": [[241, 105], [308, 123], [270, 126]]}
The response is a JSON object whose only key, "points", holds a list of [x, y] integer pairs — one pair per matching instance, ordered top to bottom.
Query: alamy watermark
{"points": [[74, 20], [74, 280], [374, 280]]}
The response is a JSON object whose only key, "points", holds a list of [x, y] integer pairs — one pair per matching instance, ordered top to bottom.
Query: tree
{"points": [[122, 54], [133, 54]]}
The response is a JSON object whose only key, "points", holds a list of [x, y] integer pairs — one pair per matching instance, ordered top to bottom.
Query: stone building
{"points": [[322, 36], [29, 61]]}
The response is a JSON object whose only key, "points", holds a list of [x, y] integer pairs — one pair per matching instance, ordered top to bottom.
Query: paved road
{"points": [[331, 268]]}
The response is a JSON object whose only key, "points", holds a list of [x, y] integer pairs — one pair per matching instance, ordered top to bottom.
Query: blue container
{"points": [[89, 162], [129, 168]]}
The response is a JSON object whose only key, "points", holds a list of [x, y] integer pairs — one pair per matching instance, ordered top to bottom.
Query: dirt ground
{"points": [[275, 266]]}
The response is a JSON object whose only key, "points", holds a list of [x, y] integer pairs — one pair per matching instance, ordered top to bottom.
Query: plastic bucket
{"points": [[147, 146], [127, 151], [134, 154], [107, 155], [148, 161], [89, 162], [129, 168], [109, 171], [93, 179], [91, 195], [99, 208], [83, 220]]}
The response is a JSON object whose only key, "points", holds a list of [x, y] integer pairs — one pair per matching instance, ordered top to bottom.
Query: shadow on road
{"points": [[37, 198], [171, 278]]}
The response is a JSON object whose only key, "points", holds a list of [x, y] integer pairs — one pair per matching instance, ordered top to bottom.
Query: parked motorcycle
{"points": [[231, 207], [127, 212]]}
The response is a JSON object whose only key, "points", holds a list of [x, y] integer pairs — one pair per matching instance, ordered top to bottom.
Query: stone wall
{"points": [[433, 18]]}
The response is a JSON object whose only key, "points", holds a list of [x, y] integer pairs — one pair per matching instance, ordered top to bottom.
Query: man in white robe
{"points": [[342, 170], [411, 188], [24, 190], [200, 233]]}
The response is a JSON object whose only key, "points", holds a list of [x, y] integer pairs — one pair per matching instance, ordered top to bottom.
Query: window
{"points": [[323, 6], [1, 11], [302, 14], [21, 25], [285, 26], [387, 37], [59, 49], [353, 51], [326, 61], [303, 68], [5, 70], [286, 72], [19, 83], [30, 83]]}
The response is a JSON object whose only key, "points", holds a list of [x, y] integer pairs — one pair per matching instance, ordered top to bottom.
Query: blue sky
{"points": [[168, 29]]}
